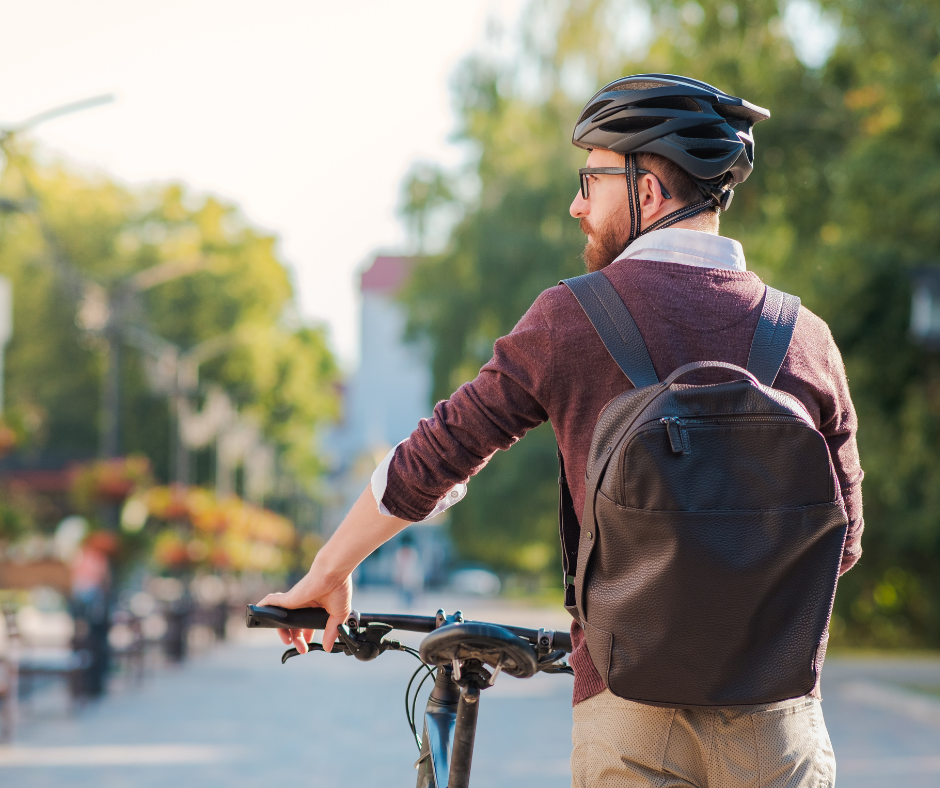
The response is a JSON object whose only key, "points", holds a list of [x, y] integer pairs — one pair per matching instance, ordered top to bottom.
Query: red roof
{"points": [[387, 274]]}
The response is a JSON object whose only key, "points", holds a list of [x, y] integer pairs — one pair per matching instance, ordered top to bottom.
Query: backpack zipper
{"points": [[676, 428], [678, 434]]}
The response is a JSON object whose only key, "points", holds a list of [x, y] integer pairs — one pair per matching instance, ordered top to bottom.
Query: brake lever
{"points": [[364, 647], [293, 652], [552, 663], [558, 667]]}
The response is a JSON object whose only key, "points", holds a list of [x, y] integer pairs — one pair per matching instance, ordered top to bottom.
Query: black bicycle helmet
{"points": [[706, 132]]}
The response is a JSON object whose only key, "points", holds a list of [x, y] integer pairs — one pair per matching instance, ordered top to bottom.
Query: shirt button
{"points": [[454, 494], [590, 535]]}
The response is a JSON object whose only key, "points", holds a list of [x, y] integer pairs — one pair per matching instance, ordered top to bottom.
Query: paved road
{"points": [[235, 717]]}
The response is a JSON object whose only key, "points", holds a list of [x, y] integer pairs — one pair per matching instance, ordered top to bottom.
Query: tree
{"points": [[841, 205], [77, 236]]}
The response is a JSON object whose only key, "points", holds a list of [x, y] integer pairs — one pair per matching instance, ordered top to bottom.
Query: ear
{"points": [[651, 196]]}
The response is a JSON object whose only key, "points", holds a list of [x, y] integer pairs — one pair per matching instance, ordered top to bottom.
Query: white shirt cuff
{"points": [[380, 483]]}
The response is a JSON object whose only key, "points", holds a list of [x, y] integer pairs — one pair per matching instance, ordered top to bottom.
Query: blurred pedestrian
{"points": [[409, 571], [91, 587]]}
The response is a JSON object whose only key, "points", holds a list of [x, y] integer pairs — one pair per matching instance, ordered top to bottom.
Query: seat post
{"points": [[464, 734]]}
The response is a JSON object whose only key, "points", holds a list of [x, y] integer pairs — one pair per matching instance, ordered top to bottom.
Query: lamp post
{"points": [[7, 133], [12, 206], [108, 312], [176, 374]]}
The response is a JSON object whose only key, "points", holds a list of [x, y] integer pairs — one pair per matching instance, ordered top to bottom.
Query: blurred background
{"points": [[244, 250]]}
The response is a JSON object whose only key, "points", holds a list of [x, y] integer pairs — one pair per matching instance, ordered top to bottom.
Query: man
{"points": [[665, 154]]}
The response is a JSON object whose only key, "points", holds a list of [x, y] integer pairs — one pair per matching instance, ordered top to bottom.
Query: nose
{"points": [[579, 206]]}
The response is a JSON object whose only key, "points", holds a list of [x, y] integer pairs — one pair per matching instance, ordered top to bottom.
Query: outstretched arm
{"points": [[328, 584]]}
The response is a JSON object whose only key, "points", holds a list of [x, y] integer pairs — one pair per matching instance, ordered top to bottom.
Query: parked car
{"points": [[474, 580]]}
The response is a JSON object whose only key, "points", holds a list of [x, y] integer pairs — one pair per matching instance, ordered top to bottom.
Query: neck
{"points": [[705, 222]]}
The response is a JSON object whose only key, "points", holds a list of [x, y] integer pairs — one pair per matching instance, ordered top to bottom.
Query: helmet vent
{"points": [[670, 102], [593, 109], [631, 125], [702, 133], [709, 154]]}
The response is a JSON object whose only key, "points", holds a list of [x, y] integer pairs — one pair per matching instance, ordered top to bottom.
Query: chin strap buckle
{"points": [[724, 202]]}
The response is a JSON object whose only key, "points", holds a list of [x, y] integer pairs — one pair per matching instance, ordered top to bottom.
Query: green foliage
{"points": [[843, 202], [79, 237], [15, 522]]}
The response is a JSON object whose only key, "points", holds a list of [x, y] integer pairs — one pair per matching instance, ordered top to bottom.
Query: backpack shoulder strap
{"points": [[615, 326], [772, 337]]}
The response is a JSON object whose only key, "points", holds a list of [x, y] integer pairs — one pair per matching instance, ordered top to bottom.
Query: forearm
{"points": [[362, 531], [328, 583]]}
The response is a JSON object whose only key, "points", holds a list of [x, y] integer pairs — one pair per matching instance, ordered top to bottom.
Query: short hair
{"points": [[673, 177]]}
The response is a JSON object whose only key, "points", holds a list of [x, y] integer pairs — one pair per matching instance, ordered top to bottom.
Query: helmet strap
{"points": [[633, 201]]}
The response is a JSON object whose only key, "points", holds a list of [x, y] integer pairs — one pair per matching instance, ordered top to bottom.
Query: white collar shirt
{"points": [[688, 247]]}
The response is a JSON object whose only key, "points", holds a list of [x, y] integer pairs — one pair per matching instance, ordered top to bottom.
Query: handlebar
{"points": [[273, 617]]}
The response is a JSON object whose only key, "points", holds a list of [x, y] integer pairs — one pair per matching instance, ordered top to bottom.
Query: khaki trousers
{"points": [[622, 744]]}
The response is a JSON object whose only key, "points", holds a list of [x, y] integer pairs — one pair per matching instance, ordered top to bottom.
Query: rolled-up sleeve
{"points": [[490, 413]]}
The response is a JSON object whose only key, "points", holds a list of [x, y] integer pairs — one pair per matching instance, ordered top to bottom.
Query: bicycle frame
{"points": [[450, 718], [450, 722]]}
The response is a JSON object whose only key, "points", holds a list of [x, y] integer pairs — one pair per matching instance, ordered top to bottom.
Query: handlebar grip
{"points": [[273, 617], [562, 640]]}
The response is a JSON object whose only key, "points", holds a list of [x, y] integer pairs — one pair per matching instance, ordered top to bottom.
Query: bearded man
{"points": [[665, 155]]}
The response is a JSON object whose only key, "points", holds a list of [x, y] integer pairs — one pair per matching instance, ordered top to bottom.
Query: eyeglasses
{"points": [[584, 172]]}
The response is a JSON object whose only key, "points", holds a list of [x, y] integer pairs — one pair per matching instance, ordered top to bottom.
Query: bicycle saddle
{"points": [[488, 643]]}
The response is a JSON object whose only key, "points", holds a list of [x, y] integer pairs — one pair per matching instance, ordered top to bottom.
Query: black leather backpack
{"points": [[713, 527]]}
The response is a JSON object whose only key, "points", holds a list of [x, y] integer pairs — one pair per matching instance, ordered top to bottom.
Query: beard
{"points": [[607, 241]]}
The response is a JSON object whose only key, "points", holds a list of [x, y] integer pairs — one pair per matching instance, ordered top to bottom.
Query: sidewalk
{"points": [[236, 717]]}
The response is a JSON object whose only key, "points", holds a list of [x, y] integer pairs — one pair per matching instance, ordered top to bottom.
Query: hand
{"points": [[328, 584], [315, 589]]}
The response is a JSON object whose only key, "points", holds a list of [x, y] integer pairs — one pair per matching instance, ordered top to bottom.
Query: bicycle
{"points": [[468, 657]]}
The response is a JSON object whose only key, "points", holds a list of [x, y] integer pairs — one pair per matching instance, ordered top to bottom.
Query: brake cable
{"points": [[368, 644]]}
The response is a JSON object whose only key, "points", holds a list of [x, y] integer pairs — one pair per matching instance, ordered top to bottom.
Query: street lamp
{"points": [[55, 112], [30, 206], [925, 307], [107, 312], [176, 374]]}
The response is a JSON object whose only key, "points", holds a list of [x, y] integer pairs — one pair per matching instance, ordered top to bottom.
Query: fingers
{"points": [[312, 591], [278, 599], [331, 632], [297, 638]]}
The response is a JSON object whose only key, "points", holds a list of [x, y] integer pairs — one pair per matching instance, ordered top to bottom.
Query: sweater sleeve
{"points": [[507, 398], [839, 425]]}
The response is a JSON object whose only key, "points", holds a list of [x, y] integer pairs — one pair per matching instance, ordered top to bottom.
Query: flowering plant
{"points": [[108, 481], [200, 530]]}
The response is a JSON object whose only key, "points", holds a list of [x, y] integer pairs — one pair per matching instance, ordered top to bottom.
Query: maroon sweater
{"points": [[554, 366]]}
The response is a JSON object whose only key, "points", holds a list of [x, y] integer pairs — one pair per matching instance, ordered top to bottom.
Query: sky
{"points": [[305, 114]]}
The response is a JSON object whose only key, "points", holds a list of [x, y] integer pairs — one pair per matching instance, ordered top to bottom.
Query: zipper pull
{"points": [[678, 435]]}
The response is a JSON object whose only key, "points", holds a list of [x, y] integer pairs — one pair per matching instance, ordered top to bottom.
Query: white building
{"points": [[391, 390], [382, 404]]}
